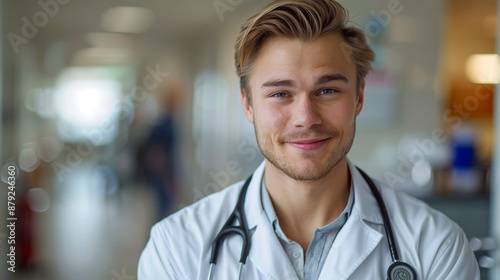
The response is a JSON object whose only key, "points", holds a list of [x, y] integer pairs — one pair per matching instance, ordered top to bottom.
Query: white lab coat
{"points": [[180, 245]]}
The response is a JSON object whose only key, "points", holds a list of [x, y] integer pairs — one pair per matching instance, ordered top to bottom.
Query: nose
{"points": [[305, 113]]}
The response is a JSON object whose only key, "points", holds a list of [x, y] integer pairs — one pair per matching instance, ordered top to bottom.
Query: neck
{"points": [[304, 206]]}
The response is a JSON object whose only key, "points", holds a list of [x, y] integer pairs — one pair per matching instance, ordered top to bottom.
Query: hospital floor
{"points": [[97, 239]]}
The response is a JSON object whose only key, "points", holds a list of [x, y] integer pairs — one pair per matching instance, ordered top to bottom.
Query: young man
{"points": [[309, 212]]}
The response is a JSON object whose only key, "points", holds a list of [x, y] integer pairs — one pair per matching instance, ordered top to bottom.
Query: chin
{"points": [[305, 170], [308, 175]]}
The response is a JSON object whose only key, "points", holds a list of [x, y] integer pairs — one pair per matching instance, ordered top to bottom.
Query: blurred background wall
{"points": [[116, 113]]}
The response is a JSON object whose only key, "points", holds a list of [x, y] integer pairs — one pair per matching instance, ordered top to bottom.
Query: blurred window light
{"points": [[127, 19], [483, 68], [86, 105], [210, 111], [80, 221]]}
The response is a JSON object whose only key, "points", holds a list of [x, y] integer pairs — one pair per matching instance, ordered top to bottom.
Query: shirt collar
{"points": [[271, 214]]}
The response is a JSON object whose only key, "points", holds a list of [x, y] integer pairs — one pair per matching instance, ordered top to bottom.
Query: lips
{"points": [[309, 144]]}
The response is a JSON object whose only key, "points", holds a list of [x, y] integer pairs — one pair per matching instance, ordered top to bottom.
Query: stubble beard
{"points": [[313, 174]]}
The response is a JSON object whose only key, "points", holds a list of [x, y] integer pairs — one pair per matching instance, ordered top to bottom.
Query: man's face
{"points": [[304, 104]]}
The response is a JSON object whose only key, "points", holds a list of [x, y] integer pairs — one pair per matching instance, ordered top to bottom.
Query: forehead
{"points": [[299, 60]]}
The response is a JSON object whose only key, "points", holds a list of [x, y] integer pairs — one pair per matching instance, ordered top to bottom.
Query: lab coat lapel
{"points": [[357, 239], [353, 244], [266, 252]]}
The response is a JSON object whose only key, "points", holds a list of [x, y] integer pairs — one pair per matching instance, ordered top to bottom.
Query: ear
{"points": [[360, 98], [247, 107]]}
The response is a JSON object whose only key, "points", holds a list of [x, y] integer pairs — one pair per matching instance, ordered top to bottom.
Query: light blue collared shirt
{"points": [[321, 242]]}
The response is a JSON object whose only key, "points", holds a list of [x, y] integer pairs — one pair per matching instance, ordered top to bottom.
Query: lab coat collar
{"points": [[253, 203], [365, 203], [268, 260]]}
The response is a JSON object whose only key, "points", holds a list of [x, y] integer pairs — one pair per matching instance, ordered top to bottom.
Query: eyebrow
{"points": [[332, 77], [321, 80]]}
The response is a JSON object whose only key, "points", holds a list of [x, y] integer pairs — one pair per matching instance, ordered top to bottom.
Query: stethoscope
{"points": [[398, 270]]}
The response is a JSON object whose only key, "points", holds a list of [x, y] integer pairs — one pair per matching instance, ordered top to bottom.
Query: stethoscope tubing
{"points": [[238, 214], [385, 216]]}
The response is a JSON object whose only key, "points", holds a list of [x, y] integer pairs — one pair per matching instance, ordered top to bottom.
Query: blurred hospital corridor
{"points": [[102, 240]]}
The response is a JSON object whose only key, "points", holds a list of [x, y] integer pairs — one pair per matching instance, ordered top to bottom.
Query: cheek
{"points": [[342, 115], [270, 119]]}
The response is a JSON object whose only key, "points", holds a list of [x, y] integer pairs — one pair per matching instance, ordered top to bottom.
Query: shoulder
{"points": [[202, 216], [419, 216], [415, 218], [428, 236], [182, 237]]}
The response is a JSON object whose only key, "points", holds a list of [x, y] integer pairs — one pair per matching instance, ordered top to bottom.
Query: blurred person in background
{"points": [[158, 156]]}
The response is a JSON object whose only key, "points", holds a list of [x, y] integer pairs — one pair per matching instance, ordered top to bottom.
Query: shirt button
{"points": [[296, 255]]}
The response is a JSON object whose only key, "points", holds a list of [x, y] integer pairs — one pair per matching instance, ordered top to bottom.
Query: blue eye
{"points": [[327, 91], [280, 94]]}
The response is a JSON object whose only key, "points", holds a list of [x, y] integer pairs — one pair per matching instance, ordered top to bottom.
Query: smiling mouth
{"points": [[309, 144]]}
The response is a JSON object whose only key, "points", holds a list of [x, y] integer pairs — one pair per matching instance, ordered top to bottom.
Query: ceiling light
{"points": [[127, 19], [483, 68]]}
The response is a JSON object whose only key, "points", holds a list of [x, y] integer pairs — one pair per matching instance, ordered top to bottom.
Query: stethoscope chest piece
{"points": [[401, 271]]}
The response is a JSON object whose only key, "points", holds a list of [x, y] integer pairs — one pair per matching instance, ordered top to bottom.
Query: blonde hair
{"points": [[305, 20]]}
